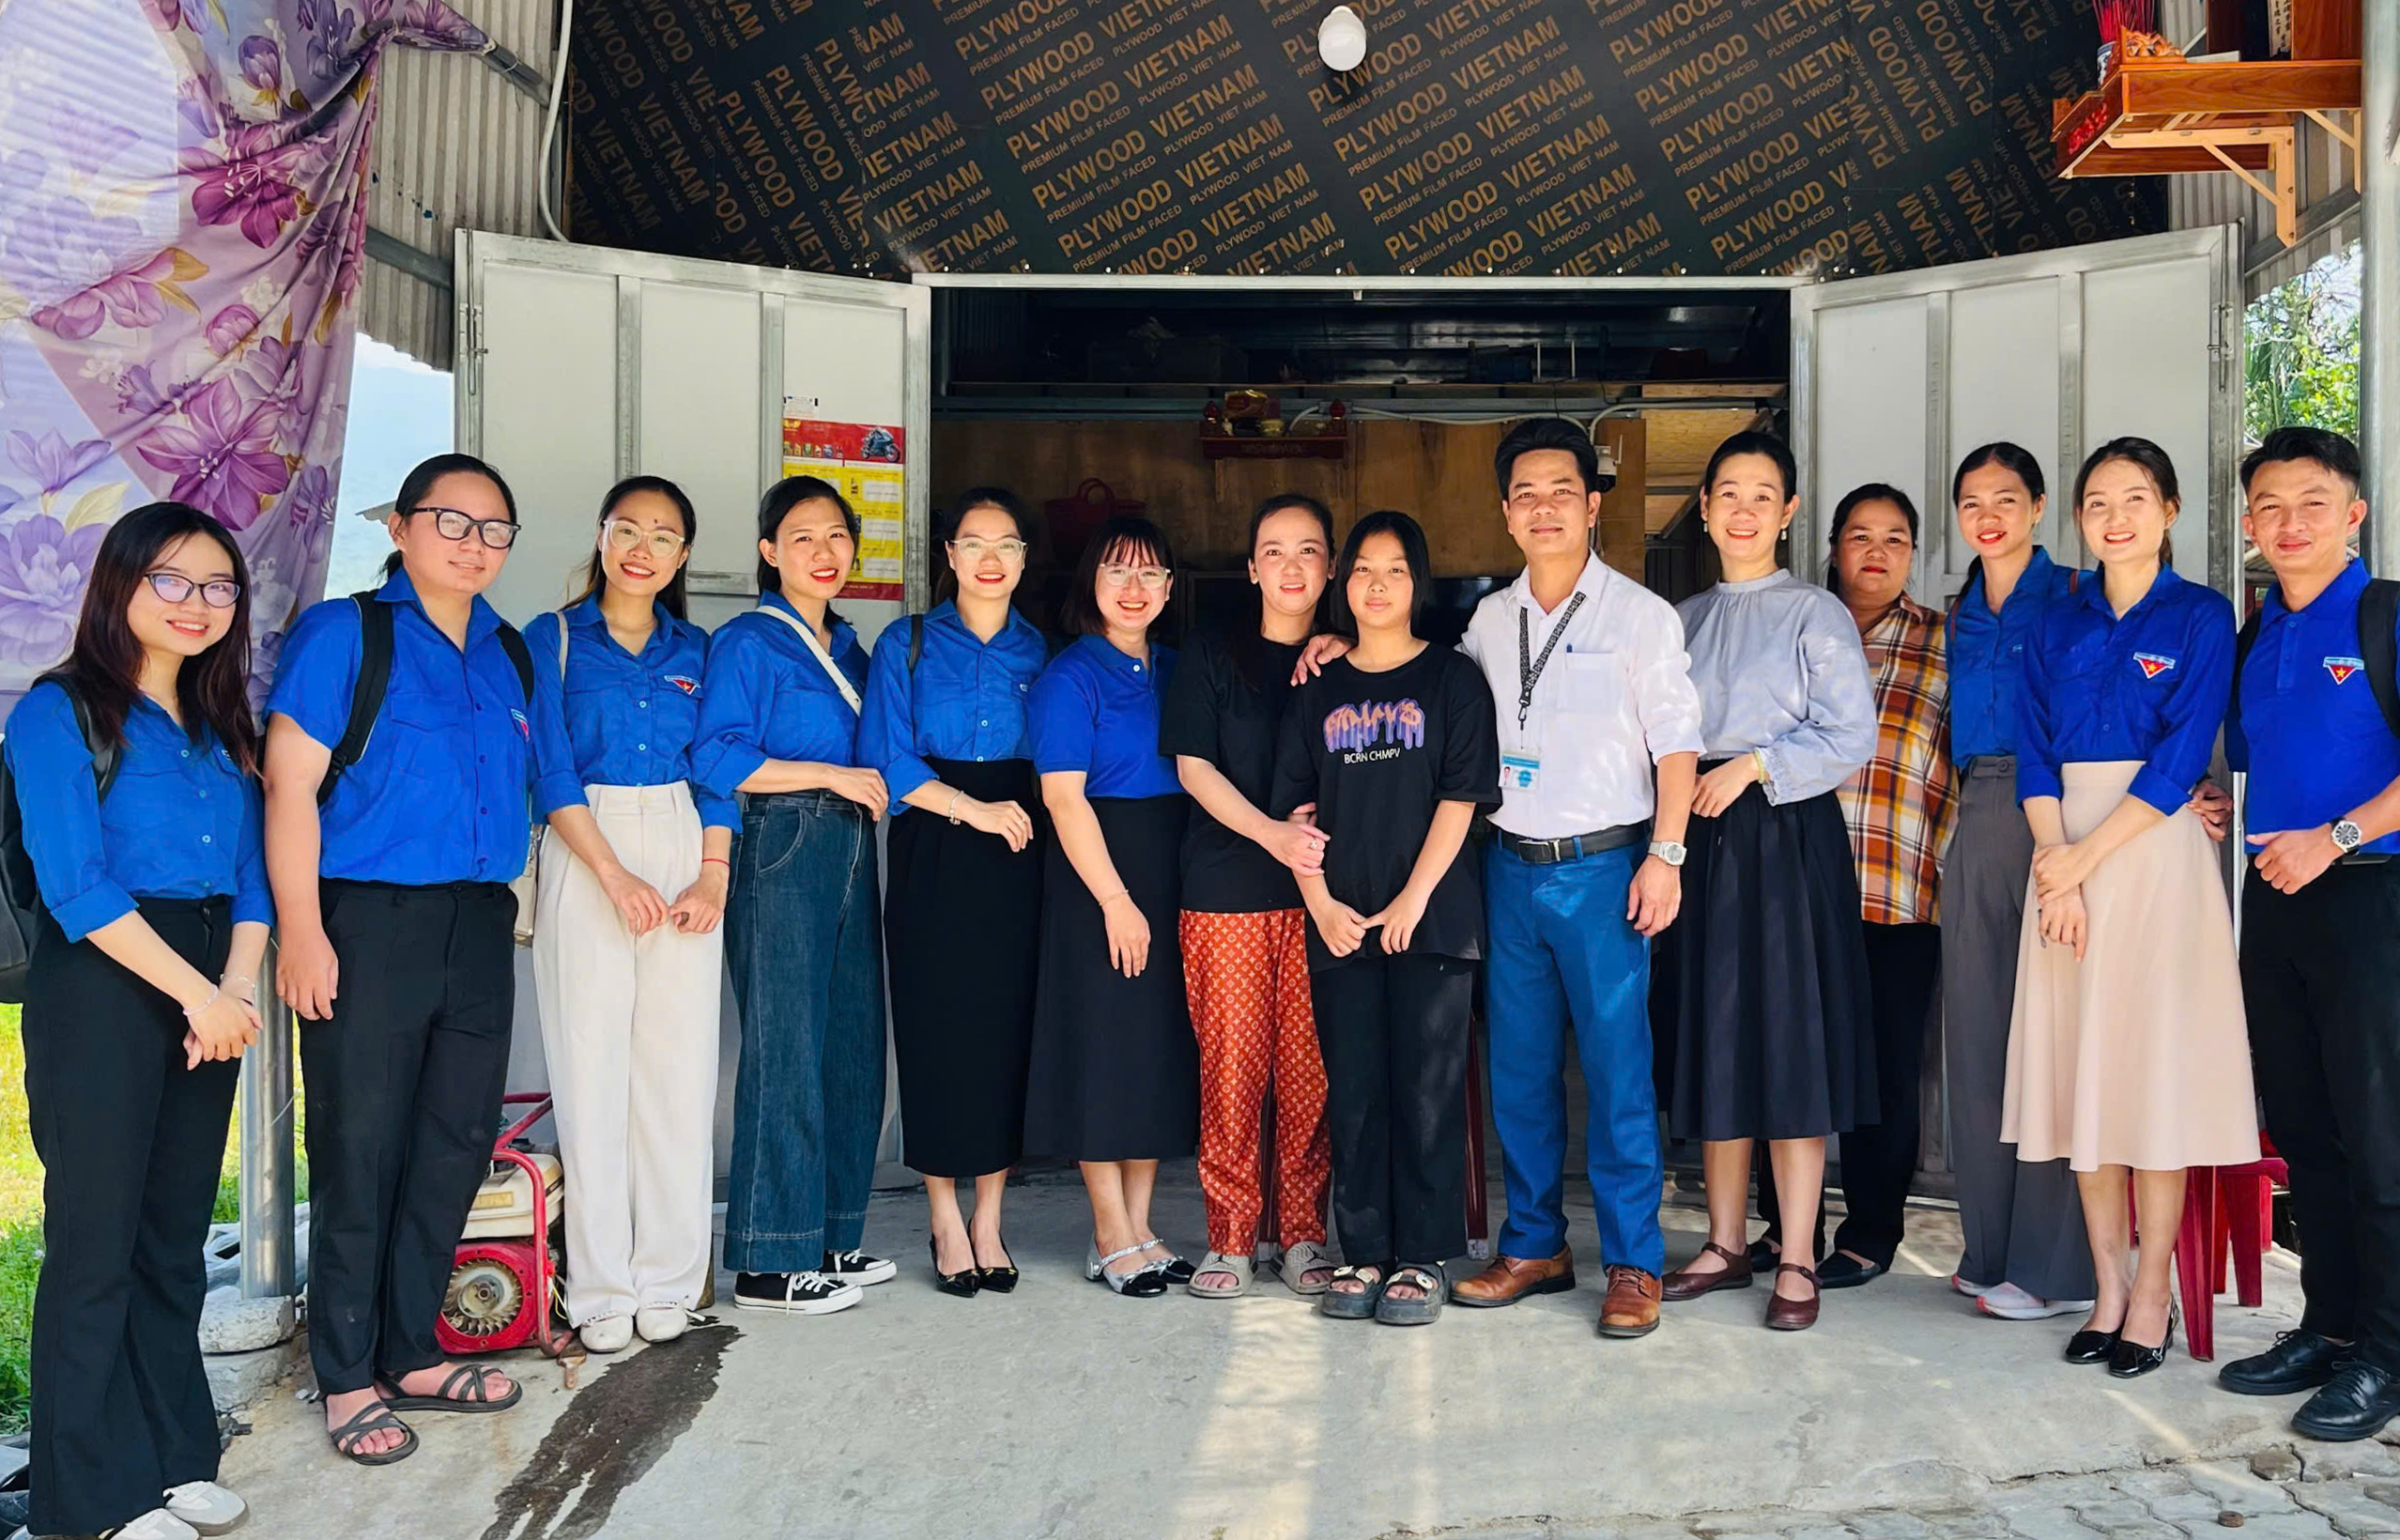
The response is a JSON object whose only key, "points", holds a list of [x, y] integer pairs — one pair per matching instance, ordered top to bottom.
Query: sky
{"points": [[400, 412]]}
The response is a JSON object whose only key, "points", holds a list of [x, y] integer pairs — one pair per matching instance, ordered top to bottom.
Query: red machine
{"points": [[501, 1288]]}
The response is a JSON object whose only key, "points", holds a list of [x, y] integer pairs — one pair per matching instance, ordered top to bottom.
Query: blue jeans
{"points": [[805, 938], [1562, 951]]}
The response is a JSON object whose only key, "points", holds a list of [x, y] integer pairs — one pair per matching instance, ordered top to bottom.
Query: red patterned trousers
{"points": [[1247, 977]]}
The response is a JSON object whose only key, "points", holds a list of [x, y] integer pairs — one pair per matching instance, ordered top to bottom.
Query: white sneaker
{"points": [[1973, 1291], [799, 1293], [2011, 1303], [661, 1322], [606, 1334], [209, 1508], [157, 1524]]}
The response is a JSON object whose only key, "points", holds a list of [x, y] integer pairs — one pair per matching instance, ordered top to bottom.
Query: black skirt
{"points": [[961, 921], [1761, 980], [1116, 1070]]}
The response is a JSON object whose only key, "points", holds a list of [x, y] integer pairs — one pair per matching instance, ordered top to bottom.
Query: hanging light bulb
{"points": [[1341, 39]]}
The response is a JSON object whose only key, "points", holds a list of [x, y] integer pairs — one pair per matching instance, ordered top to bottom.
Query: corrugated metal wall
{"points": [[454, 146], [2328, 206]]}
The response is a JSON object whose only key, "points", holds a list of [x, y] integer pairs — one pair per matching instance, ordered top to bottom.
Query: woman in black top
{"points": [[1395, 747]]}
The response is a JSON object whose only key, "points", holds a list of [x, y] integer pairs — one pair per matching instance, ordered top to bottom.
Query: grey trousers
{"points": [[2023, 1223]]}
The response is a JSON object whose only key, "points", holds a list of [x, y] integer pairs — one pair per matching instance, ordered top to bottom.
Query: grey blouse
{"points": [[1779, 667]]}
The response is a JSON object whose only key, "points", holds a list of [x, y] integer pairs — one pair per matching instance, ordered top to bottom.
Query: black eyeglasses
{"points": [[497, 533], [174, 587]]}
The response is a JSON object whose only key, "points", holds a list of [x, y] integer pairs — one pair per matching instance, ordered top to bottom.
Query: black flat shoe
{"points": [[1842, 1271], [1001, 1280], [960, 1285], [2092, 1346], [2131, 1361], [2300, 1361], [2354, 1404]]}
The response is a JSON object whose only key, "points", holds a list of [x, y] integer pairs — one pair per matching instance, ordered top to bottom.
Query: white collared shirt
{"points": [[1615, 698]]}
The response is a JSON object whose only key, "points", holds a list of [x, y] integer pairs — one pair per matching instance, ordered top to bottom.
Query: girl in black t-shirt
{"points": [[1395, 746]]}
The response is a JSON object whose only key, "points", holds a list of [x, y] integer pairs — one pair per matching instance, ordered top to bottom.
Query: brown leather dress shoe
{"points": [[1509, 1279], [1683, 1283], [1631, 1309], [1793, 1314]]}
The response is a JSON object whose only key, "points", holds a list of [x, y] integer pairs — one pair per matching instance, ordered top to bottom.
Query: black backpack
{"points": [[2378, 613], [375, 677], [20, 915]]}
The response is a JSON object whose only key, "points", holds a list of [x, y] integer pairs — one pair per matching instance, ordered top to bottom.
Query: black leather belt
{"points": [[1573, 846]]}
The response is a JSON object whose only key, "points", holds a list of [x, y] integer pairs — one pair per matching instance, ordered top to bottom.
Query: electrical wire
{"points": [[550, 119]]}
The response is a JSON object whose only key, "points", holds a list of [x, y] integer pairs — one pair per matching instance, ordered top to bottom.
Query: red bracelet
{"points": [[718, 860]]}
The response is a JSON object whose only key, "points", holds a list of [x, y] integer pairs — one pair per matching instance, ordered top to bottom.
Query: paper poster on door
{"points": [[864, 460]]}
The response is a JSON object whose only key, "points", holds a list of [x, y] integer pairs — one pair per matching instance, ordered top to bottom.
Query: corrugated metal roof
{"points": [[454, 147]]}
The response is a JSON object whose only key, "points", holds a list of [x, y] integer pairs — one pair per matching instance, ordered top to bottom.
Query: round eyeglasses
{"points": [[497, 533], [624, 535], [972, 550], [1153, 579], [174, 587]]}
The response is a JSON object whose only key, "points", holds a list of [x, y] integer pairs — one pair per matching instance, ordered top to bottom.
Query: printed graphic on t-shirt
{"points": [[2153, 663], [2343, 667], [684, 683], [524, 729], [1374, 730]]}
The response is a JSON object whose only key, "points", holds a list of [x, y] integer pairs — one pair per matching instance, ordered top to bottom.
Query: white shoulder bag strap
{"points": [[817, 649]]}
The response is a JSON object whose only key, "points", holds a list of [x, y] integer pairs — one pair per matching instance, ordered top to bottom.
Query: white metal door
{"points": [[577, 365], [1895, 378]]}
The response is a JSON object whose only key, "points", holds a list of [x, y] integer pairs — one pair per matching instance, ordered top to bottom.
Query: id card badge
{"points": [[1520, 771]]}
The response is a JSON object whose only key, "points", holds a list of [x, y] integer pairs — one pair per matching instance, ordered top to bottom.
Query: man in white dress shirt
{"points": [[1600, 738]]}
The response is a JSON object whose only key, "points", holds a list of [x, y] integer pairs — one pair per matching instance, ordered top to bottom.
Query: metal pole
{"points": [[2380, 296], [267, 1249]]}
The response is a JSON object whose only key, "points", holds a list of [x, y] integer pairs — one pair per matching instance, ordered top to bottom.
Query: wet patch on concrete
{"points": [[617, 1430]]}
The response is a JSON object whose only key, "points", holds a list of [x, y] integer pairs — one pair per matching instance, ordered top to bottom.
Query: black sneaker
{"points": [[857, 1266], [796, 1293], [2300, 1361], [2354, 1404]]}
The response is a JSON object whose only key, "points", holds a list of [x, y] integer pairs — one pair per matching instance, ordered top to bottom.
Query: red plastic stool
{"points": [[2222, 1205]]}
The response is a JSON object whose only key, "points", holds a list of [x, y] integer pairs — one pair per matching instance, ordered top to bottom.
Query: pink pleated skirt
{"points": [[2137, 1055]]}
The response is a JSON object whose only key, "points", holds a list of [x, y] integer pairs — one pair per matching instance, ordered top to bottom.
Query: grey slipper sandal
{"points": [[1300, 1258], [1216, 1262], [1345, 1306], [1419, 1311]]}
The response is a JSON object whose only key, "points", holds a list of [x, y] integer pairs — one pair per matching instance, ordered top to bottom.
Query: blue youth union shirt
{"points": [[1987, 656], [2149, 686], [765, 697], [966, 701], [1097, 710], [630, 720], [2316, 744], [442, 793], [180, 821]]}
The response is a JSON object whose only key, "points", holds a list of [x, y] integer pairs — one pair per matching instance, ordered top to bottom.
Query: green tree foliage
{"points": [[2301, 357]]}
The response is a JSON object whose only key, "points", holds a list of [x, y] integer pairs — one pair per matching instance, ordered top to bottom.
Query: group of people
{"points": [[1135, 897]]}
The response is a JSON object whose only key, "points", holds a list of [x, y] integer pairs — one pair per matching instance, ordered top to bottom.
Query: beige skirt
{"points": [[2137, 1055]]}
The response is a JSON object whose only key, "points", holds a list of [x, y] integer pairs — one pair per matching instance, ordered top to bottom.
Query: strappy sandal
{"points": [[1300, 1258], [1213, 1263], [1146, 1283], [1344, 1305], [1420, 1310], [467, 1389], [373, 1418]]}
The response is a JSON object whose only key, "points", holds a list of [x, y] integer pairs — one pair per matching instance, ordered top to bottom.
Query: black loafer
{"points": [[1842, 1271], [2092, 1346], [2131, 1361], [2300, 1361], [2354, 1404]]}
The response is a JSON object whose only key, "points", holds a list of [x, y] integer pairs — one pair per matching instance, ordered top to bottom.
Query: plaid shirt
{"points": [[1899, 807]]}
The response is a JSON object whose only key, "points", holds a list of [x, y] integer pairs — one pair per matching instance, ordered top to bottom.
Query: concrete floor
{"points": [[1062, 1411]]}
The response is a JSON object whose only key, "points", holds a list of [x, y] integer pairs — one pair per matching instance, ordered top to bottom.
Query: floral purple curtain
{"points": [[182, 220]]}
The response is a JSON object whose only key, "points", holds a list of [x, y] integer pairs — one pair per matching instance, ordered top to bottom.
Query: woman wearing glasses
{"points": [[778, 724], [945, 724], [134, 765], [391, 861], [627, 958], [1116, 1076]]}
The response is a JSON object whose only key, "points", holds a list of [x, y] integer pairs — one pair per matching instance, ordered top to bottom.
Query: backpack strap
{"points": [[2378, 613], [511, 641], [915, 641], [366, 691], [2237, 741], [104, 756]]}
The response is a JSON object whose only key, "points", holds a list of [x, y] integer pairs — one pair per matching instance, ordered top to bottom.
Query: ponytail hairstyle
{"points": [[1753, 441], [2014, 458], [2151, 461], [418, 484], [780, 499], [1851, 501], [945, 529], [673, 596], [1247, 645], [212, 688]]}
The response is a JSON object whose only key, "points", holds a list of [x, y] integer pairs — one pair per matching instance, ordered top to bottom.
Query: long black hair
{"points": [[2013, 458], [2151, 461], [418, 485], [780, 499], [1851, 501], [945, 529], [1411, 536], [1121, 537], [673, 595], [1248, 642], [105, 663]]}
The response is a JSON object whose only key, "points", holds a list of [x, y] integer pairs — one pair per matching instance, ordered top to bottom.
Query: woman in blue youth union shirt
{"points": [[154, 915], [397, 940], [627, 954], [2128, 1048]]}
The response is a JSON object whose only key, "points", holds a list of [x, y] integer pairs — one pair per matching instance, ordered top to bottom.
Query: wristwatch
{"points": [[2347, 836], [1667, 850]]}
